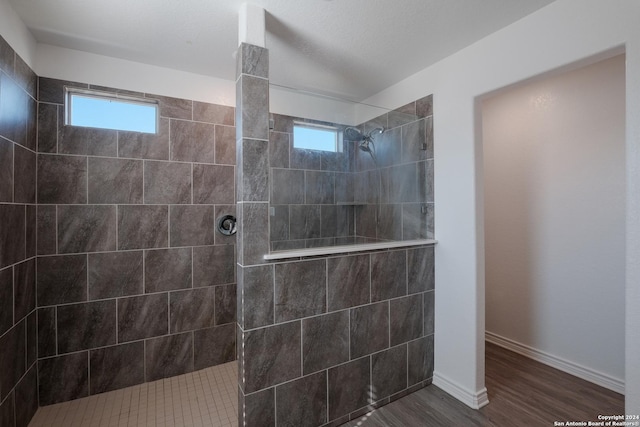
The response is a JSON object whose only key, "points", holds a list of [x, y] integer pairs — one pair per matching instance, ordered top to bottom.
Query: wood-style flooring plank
{"points": [[522, 392]]}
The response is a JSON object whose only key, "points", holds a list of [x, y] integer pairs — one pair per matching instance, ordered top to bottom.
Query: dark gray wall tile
{"points": [[7, 56], [253, 60], [52, 90], [254, 95], [424, 106], [174, 108], [15, 112], [213, 113], [402, 115], [282, 123], [32, 124], [48, 127], [87, 141], [192, 141], [414, 143], [141, 145], [225, 145], [279, 149], [300, 158], [338, 161], [255, 170], [6, 171], [24, 176], [62, 179], [404, 180], [115, 181], [425, 181], [167, 182], [213, 184], [287, 187], [320, 187], [389, 217], [415, 217], [304, 221], [366, 221], [279, 222], [191, 225], [46, 226], [143, 227], [86, 228], [254, 230], [30, 231], [12, 234], [213, 265], [167, 269], [420, 269], [115, 274], [388, 275], [61, 279], [348, 281], [24, 288], [257, 289], [300, 289], [6, 299], [225, 304], [192, 309], [429, 312], [143, 316], [405, 319], [86, 325], [369, 329], [47, 332], [32, 338], [325, 341], [213, 346], [168, 356], [12, 357], [420, 360], [116, 367], [262, 368], [389, 371], [63, 378], [349, 386], [26, 395], [302, 402], [257, 408], [7, 412]]}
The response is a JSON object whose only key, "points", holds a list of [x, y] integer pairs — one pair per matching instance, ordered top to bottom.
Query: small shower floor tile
{"points": [[206, 398]]}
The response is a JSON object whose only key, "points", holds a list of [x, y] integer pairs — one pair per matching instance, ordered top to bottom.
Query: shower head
{"points": [[353, 134]]}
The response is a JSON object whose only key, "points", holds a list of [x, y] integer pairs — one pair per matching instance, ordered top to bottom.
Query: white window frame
{"points": [[71, 91], [316, 126]]}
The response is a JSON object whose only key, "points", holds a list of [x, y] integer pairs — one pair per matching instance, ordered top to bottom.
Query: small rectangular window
{"points": [[109, 111], [315, 137]]}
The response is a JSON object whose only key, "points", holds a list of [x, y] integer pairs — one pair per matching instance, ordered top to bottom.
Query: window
{"points": [[110, 111], [315, 137]]}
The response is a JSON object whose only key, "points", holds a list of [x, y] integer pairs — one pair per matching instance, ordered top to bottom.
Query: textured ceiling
{"points": [[349, 48]]}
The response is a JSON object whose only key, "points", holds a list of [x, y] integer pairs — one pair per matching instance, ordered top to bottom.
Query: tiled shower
{"points": [[112, 273]]}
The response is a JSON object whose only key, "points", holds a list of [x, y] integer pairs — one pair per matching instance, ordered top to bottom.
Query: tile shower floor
{"points": [[208, 397]]}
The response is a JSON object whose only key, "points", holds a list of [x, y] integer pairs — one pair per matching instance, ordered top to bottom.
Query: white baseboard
{"points": [[564, 365], [474, 400]]}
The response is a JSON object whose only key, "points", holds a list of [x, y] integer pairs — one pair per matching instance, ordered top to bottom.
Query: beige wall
{"points": [[554, 219]]}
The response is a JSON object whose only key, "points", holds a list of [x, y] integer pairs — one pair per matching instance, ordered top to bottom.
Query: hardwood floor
{"points": [[522, 392]]}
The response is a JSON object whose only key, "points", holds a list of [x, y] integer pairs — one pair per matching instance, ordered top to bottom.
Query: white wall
{"points": [[565, 32], [16, 33], [554, 220]]}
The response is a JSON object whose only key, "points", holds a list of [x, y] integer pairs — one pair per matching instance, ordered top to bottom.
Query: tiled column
{"points": [[252, 151]]}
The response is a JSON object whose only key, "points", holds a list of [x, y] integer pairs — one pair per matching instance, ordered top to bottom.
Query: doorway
{"points": [[554, 208]]}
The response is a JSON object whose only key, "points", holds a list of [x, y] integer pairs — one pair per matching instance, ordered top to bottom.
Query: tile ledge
{"points": [[330, 250]]}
